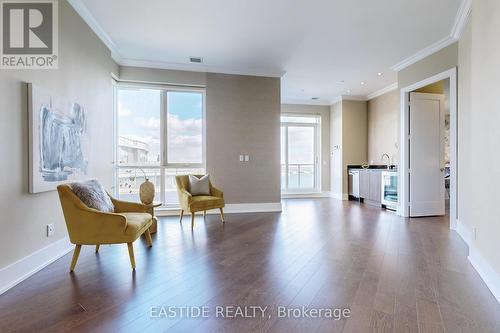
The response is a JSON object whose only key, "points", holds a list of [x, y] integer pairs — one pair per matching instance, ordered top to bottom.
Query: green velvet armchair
{"points": [[197, 203]]}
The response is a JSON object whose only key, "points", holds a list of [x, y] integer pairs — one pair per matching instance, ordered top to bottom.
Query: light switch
{"points": [[242, 158], [247, 158]]}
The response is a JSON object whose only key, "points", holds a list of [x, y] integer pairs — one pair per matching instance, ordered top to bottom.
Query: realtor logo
{"points": [[29, 34]]}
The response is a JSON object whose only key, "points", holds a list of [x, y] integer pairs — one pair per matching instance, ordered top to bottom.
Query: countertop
{"points": [[373, 167]]}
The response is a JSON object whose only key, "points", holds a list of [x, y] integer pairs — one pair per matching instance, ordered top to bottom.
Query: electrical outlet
{"points": [[242, 158], [247, 158], [50, 230]]}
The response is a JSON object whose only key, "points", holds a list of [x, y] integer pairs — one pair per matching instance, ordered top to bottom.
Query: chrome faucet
{"points": [[388, 160]]}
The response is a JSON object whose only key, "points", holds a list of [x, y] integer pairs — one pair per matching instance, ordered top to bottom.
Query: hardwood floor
{"points": [[395, 275]]}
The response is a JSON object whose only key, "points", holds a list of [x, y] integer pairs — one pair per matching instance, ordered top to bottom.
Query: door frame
{"points": [[404, 152], [317, 153]]}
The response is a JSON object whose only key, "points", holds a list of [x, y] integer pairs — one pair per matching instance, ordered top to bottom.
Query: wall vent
{"points": [[197, 60]]}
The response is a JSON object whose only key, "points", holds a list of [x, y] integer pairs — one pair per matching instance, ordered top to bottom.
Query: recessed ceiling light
{"points": [[198, 60], [380, 74], [363, 83], [348, 91], [315, 98]]}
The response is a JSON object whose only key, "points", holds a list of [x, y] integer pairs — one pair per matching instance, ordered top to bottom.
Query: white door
{"points": [[426, 155]]}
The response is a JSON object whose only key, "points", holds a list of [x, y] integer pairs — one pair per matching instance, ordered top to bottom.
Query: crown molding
{"points": [[87, 16], [461, 19], [459, 24], [424, 53], [122, 60], [195, 67], [382, 91], [341, 98], [320, 102]]}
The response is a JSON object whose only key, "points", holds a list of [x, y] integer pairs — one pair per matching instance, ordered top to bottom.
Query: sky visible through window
{"points": [[139, 119]]}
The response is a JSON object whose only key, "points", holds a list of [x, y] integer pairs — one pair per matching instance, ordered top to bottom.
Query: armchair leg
{"points": [[204, 213], [182, 214], [222, 215], [192, 220], [148, 238], [78, 247], [97, 248], [131, 254]]}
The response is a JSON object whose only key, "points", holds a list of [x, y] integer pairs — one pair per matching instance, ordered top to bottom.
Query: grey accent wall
{"points": [[84, 75], [324, 112], [243, 117]]}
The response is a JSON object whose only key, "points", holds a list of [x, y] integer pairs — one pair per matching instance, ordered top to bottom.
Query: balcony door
{"points": [[299, 154]]}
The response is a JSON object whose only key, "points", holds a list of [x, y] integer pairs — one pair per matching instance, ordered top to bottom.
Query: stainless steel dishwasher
{"points": [[354, 183]]}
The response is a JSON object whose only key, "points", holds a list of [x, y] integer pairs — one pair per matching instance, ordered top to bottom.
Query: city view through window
{"points": [[159, 135]]}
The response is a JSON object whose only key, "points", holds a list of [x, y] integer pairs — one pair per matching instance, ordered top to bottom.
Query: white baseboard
{"points": [[324, 194], [340, 196], [253, 207], [231, 209], [465, 232], [482, 267], [22, 269], [487, 273]]}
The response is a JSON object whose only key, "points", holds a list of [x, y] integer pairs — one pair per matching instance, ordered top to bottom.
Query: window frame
{"points": [[317, 151], [163, 165]]}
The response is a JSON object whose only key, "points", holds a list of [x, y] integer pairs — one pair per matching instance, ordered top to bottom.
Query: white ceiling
{"points": [[316, 44]]}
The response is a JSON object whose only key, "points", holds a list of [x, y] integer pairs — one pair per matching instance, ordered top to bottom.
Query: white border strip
{"points": [[87, 16], [461, 19], [459, 24], [424, 53], [382, 91], [231, 209], [482, 267], [22, 269], [485, 271]]}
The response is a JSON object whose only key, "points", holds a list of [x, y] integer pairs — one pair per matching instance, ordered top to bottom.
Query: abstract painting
{"points": [[59, 141]]}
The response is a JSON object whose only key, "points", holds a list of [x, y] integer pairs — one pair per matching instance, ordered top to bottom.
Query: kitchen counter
{"points": [[373, 167]]}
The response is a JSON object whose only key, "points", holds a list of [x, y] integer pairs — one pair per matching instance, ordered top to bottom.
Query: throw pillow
{"points": [[199, 186], [93, 195]]}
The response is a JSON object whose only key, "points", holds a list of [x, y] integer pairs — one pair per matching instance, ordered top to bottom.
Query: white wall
{"points": [[84, 75], [482, 210]]}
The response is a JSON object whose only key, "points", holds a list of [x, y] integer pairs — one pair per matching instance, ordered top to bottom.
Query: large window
{"points": [[159, 134], [299, 154]]}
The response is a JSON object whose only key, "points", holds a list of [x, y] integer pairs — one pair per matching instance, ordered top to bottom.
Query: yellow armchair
{"points": [[197, 203], [88, 226]]}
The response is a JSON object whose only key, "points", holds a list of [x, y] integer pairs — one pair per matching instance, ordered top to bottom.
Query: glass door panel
{"points": [[299, 147]]}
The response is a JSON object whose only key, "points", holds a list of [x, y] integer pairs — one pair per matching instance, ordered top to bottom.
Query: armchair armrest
{"points": [[216, 192], [185, 197], [129, 207], [90, 226]]}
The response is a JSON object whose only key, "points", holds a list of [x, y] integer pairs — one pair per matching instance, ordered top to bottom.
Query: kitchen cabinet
{"points": [[364, 184], [370, 186], [375, 186]]}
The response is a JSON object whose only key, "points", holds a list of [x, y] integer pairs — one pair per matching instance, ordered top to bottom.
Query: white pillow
{"points": [[199, 186]]}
